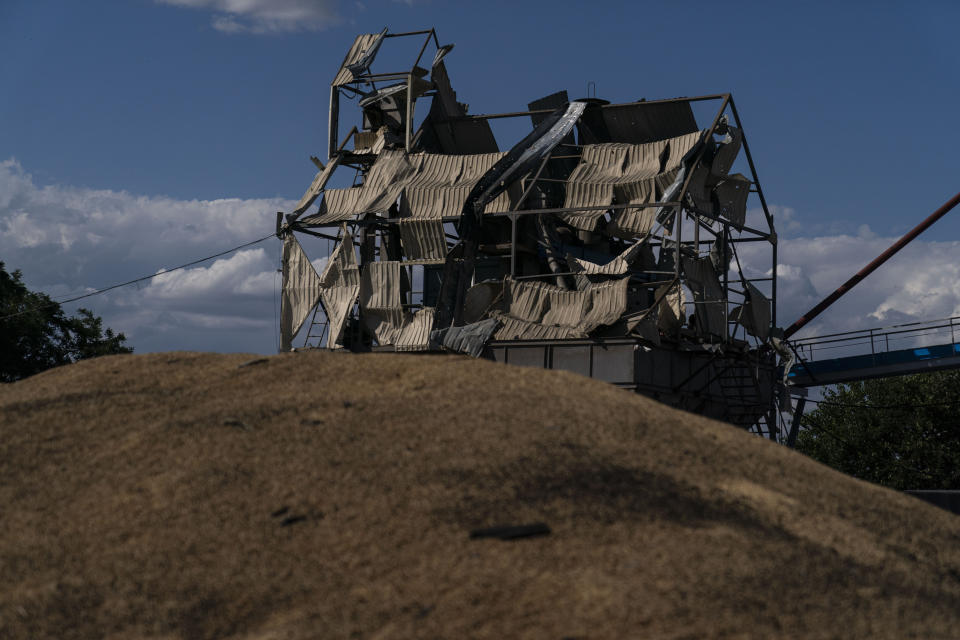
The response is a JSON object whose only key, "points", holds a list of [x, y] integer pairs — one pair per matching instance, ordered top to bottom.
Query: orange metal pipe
{"points": [[870, 268]]}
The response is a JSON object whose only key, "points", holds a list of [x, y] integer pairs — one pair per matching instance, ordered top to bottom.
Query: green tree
{"points": [[35, 333], [902, 432]]}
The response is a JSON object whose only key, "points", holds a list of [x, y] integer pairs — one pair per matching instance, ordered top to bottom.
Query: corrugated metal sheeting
{"points": [[360, 46], [632, 155], [624, 173], [384, 182], [443, 182], [427, 185], [316, 187], [423, 240], [616, 267], [340, 284], [301, 290], [380, 300], [381, 303], [575, 311], [516, 329], [415, 333], [470, 338]]}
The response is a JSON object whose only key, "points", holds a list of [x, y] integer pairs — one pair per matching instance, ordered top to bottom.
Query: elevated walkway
{"points": [[915, 347]]}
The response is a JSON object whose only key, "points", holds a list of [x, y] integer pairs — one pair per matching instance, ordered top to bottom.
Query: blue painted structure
{"points": [[882, 361], [875, 365]]}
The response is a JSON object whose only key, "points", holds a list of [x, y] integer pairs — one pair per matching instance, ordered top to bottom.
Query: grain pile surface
{"points": [[322, 495]]}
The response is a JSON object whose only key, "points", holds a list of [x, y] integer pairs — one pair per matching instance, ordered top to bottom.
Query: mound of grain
{"points": [[319, 495]]}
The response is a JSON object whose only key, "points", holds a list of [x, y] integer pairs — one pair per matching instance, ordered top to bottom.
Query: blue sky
{"points": [[139, 134]]}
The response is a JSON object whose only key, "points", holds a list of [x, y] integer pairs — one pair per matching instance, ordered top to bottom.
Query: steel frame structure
{"points": [[694, 230]]}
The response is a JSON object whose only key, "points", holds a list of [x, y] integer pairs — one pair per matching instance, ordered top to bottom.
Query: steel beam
{"points": [[873, 266]]}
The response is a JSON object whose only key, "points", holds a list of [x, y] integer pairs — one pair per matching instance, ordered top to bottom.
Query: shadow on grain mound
{"points": [[319, 495]]}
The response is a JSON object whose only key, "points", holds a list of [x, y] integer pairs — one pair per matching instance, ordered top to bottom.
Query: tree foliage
{"points": [[35, 333], [901, 432]]}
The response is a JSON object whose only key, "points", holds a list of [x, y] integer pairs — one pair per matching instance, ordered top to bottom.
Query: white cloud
{"points": [[266, 16], [227, 24], [45, 228], [23, 232], [865, 232], [70, 240], [319, 264], [242, 273], [922, 282], [260, 283], [930, 293]]}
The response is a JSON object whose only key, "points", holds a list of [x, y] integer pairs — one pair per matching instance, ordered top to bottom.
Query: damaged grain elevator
{"points": [[604, 242]]}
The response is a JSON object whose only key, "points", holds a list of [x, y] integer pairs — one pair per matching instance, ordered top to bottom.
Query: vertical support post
{"points": [[409, 120], [333, 122], [713, 127], [753, 169], [533, 183], [683, 193], [766, 213], [696, 234], [513, 245], [677, 254], [726, 283], [773, 285], [795, 422], [772, 427]]}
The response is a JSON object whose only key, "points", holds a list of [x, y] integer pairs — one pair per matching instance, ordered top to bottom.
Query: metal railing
{"points": [[880, 340]]}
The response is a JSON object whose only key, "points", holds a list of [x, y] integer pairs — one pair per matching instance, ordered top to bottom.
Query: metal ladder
{"points": [[323, 324], [739, 385]]}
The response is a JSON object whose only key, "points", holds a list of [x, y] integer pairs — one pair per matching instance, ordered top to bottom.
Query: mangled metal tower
{"points": [[604, 242]]}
